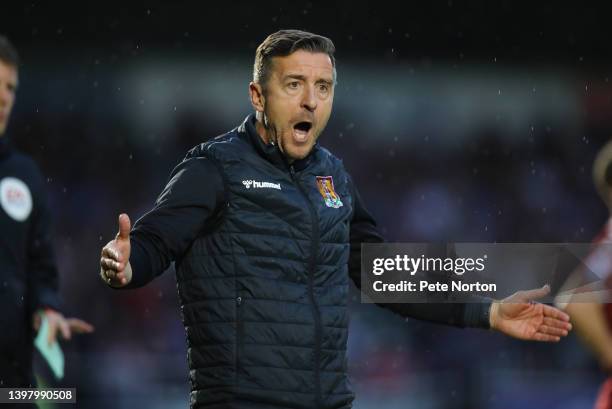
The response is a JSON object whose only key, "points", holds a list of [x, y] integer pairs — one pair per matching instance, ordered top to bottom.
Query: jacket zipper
{"points": [[314, 246], [239, 332]]}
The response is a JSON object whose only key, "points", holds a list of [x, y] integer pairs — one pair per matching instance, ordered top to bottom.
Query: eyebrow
{"points": [[295, 77], [303, 78]]}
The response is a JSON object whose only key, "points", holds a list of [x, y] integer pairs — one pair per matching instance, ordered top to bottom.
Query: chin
{"points": [[298, 153]]}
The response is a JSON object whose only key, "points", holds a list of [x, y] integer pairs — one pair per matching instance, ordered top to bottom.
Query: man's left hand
{"points": [[520, 317], [58, 323]]}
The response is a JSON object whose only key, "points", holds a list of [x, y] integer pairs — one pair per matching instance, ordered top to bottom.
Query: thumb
{"points": [[124, 226], [535, 293]]}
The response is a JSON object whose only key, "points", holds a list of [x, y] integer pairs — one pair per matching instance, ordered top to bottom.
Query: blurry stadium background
{"points": [[459, 122]]}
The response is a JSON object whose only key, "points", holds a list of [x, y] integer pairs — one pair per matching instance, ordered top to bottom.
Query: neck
{"points": [[262, 131], [266, 136]]}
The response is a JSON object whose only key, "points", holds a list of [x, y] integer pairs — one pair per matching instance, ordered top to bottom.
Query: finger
{"points": [[124, 227], [110, 252], [110, 264], [107, 266], [116, 266], [108, 275], [112, 277], [120, 277], [109, 279], [535, 294], [555, 313], [553, 322], [79, 326], [65, 329], [545, 329], [51, 336], [538, 336]]}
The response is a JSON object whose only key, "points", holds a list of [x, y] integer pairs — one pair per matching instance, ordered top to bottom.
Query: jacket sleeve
{"points": [[190, 202], [364, 230], [42, 272]]}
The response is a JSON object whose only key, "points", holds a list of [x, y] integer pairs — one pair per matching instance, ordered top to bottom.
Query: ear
{"points": [[258, 100]]}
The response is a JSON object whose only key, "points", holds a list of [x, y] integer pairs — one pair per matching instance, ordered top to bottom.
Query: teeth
{"points": [[299, 135]]}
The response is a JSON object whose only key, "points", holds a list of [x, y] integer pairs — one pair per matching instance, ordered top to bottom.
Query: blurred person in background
{"points": [[265, 227], [28, 271], [593, 320]]}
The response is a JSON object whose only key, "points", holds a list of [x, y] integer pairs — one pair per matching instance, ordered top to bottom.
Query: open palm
{"points": [[520, 317]]}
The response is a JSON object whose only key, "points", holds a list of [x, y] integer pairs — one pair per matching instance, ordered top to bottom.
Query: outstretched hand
{"points": [[115, 267], [520, 317]]}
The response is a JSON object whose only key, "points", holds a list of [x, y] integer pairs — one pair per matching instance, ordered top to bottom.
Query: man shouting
{"points": [[265, 227]]}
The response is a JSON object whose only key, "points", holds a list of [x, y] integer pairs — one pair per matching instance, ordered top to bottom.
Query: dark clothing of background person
{"points": [[28, 273]]}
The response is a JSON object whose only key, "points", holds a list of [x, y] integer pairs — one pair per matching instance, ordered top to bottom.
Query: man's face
{"points": [[8, 86], [297, 101]]}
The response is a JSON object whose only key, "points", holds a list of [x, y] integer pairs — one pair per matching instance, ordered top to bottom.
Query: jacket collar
{"points": [[270, 151]]}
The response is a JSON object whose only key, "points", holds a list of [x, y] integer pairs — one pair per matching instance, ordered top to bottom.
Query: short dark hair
{"points": [[284, 43], [8, 52]]}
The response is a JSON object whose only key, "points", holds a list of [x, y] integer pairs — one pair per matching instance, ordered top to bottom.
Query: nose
{"points": [[309, 99]]}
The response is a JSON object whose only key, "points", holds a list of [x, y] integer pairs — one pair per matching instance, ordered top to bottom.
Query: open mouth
{"points": [[300, 131]]}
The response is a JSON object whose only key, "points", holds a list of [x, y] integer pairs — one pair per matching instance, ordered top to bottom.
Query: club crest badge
{"points": [[326, 188], [15, 198]]}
